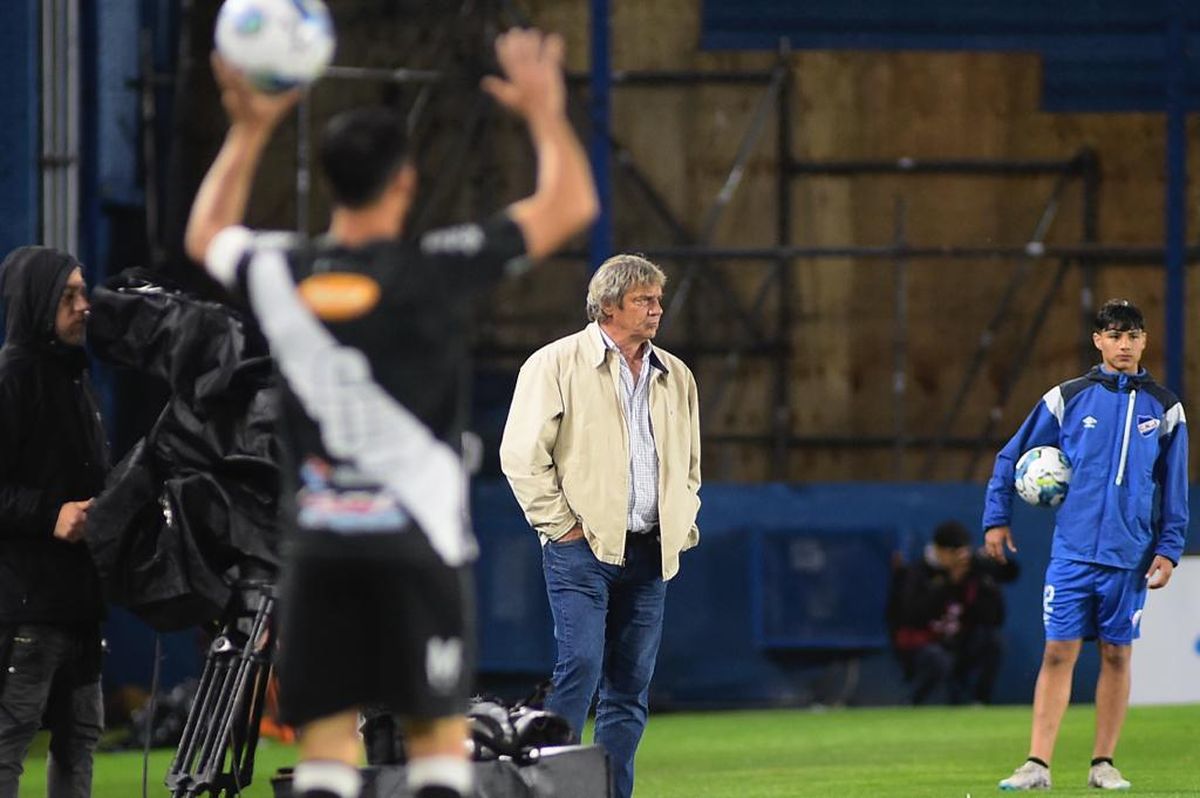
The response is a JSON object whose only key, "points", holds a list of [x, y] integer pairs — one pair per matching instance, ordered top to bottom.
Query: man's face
{"points": [[638, 313], [71, 317], [1121, 350], [953, 558]]}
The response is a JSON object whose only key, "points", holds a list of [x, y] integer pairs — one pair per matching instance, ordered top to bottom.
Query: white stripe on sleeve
{"points": [[225, 251], [1054, 403], [1173, 418]]}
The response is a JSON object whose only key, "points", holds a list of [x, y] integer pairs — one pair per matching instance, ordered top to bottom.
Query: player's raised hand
{"points": [[533, 84], [245, 104], [996, 540], [1160, 572]]}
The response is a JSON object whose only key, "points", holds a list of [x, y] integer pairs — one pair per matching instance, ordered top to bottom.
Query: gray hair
{"points": [[615, 277]]}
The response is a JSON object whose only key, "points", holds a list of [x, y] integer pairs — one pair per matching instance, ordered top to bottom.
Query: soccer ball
{"points": [[278, 44], [1042, 476]]}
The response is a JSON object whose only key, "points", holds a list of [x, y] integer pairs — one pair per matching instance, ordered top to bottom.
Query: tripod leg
{"points": [[214, 683], [244, 706], [228, 707], [191, 730], [244, 740]]}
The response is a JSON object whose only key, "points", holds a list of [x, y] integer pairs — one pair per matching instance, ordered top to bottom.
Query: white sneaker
{"points": [[1030, 776], [1106, 777]]}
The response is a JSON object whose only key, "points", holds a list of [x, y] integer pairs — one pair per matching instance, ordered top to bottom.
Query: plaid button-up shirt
{"points": [[643, 459]]}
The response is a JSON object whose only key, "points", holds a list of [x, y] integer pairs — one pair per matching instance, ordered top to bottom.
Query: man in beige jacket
{"points": [[602, 449]]}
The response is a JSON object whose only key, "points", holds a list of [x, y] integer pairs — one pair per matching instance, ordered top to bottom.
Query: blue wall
{"points": [[1100, 55], [20, 193], [779, 604], [714, 651]]}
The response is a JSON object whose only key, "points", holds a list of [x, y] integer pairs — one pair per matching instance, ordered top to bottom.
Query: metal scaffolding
{"points": [[696, 253], [765, 322]]}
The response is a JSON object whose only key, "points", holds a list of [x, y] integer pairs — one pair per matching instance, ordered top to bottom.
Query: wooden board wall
{"points": [[845, 105], [877, 105]]}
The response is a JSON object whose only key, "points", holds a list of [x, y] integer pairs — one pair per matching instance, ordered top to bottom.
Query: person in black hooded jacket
{"points": [[53, 460], [946, 612]]}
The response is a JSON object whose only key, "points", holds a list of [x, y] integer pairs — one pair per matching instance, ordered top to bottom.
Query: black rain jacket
{"points": [[52, 448], [192, 508], [926, 607]]}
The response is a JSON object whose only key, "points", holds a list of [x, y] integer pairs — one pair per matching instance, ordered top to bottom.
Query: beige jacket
{"points": [[566, 448]]}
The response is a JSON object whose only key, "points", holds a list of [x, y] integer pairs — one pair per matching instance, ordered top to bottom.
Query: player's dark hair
{"points": [[361, 151], [1119, 314], [951, 535]]}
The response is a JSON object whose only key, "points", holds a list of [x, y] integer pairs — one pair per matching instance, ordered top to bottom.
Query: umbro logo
{"points": [[1090, 422]]}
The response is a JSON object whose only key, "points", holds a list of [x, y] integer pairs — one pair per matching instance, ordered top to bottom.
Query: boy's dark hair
{"points": [[361, 150], [1120, 315], [951, 535]]}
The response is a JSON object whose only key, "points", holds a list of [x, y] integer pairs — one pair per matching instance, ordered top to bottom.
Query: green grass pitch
{"points": [[839, 753]]}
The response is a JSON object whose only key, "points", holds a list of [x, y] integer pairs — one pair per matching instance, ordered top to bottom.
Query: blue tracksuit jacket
{"points": [[1126, 438]]}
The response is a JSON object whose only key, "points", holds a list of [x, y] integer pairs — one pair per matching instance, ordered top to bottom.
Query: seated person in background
{"points": [[945, 613]]}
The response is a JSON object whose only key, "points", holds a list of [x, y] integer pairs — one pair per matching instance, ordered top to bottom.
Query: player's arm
{"points": [[225, 190], [564, 199], [1043, 426], [527, 446], [1172, 470], [996, 540], [1000, 572]]}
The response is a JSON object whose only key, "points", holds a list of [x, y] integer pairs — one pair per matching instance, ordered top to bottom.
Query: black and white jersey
{"points": [[371, 343]]}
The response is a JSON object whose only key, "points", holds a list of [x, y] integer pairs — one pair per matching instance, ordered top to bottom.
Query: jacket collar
{"points": [[595, 344], [598, 348], [1118, 381]]}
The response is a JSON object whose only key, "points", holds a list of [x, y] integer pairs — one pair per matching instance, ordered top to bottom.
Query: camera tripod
{"points": [[216, 752]]}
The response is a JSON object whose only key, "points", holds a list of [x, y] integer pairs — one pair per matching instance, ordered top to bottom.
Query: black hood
{"points": [[32, 280]]}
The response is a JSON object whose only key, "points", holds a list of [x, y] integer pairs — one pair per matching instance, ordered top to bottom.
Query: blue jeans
{"points": [[607, 623], [52, 678]]}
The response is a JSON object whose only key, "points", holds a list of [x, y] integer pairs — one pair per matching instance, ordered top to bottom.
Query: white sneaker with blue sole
{"points": [[1030, 776], [1106, 777]]}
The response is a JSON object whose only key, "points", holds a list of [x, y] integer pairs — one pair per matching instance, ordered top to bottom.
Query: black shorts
{"points": [[373, 619]]}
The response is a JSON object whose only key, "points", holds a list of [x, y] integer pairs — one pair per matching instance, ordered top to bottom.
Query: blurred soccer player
{"points": [[369, 333], [1119, 531]]}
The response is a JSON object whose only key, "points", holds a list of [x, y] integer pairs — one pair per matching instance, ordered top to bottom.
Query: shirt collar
{"points": [[606, 344]]}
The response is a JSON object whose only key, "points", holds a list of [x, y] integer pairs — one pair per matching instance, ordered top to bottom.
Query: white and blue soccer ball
{"points": [[277, 44], [1042, 476]]}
